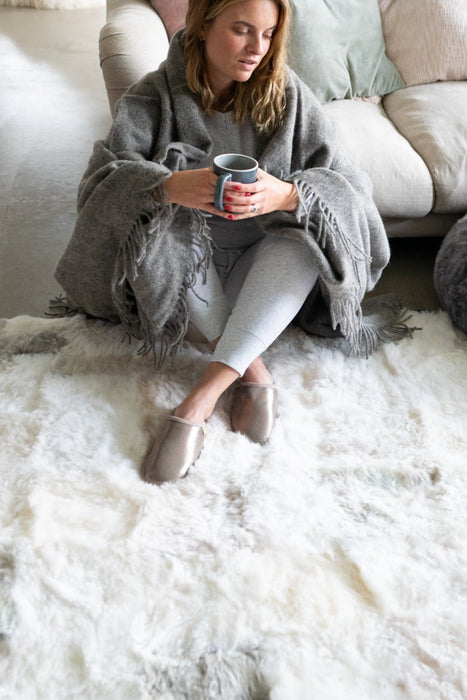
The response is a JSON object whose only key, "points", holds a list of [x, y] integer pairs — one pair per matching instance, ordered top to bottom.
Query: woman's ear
{"points": [[204, 28]]}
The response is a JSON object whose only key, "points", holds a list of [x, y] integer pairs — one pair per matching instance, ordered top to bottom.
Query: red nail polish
{"points": [[238, 188], [247, 194], [229, 199], [227, 207], [230, 216]]}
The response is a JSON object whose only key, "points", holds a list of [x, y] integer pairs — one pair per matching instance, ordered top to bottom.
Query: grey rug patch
{"points": [[47, 341], [7, 606], [230, 675]]}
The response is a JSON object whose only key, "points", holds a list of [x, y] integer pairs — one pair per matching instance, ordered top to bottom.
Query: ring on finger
{"points": [[254, 209]]}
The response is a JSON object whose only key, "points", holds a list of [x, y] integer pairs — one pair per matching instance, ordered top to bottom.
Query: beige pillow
{"points": [[172, 13], [426, 39], [432, 119]]}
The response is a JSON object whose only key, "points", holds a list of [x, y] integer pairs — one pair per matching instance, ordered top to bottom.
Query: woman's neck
{"points": [[223, 101]]}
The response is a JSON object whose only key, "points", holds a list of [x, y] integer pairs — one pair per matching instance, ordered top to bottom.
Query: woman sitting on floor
{"points": [[150, 249]]}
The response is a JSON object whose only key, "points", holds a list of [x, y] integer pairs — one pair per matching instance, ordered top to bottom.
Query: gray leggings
{"points": [[250, 296]]}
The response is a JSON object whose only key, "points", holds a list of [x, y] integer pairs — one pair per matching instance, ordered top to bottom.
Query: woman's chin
{"points": [[243, 78]]}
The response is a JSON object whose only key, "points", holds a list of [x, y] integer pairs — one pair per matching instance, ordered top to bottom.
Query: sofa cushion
{"points": [[172, 13], [426, 39], [337, 48], [433, 119], [402, 184]]}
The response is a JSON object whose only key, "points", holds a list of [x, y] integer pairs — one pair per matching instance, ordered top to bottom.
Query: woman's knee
{"points": [[283, 251]]}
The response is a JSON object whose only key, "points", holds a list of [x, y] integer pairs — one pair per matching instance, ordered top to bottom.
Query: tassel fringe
{"points": [[325, 228], [60, 307], [391, 327], [363, 334], [165, 337]]}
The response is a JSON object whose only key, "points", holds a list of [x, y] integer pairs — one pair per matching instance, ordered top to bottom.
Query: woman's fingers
{"points": [[191, 188], [267, 194], [246, 200]]}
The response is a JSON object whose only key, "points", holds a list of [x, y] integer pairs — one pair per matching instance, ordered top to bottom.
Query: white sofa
{"points": [[412, 142]]}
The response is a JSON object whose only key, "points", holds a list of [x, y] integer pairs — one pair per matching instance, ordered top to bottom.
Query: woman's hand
{"points": [[195, 189], [265, 195]]}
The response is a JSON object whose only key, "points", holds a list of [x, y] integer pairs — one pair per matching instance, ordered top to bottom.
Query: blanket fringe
{"points": [[325, 228], [202, 248], [60, 307], [346, 311], [347, 314], [363, 333], [165, 337], [369, 337], [168, 339]]}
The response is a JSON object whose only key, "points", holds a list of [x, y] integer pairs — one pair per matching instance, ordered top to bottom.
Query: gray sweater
{"points": [[130, 258]]}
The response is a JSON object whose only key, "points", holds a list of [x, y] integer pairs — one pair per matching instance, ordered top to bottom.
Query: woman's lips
{"points": [[248, 64]]}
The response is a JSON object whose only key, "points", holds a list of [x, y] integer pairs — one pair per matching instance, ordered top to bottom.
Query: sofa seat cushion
{"points": [[433, 119], [402, 185]]}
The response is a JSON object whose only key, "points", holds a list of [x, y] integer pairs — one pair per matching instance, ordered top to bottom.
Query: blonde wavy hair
{"points": [[262, 97]]}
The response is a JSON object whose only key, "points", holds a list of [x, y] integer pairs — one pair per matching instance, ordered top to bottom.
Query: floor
{"points": [[53, 108]]}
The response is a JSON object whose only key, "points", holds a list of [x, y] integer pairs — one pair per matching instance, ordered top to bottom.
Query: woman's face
{"points": [[237, 40]]}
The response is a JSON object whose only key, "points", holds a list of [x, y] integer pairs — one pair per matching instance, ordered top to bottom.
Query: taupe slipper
{"points": [[254, 410], [175, 450]]}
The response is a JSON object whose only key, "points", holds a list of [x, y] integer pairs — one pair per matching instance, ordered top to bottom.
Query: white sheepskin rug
{"points": [[330, 564]]}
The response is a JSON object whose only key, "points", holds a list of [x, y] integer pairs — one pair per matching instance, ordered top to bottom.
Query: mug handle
{"points": [[219, 191]]}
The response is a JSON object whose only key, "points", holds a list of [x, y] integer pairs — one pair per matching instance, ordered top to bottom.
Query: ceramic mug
{"points": [[232, 166]]}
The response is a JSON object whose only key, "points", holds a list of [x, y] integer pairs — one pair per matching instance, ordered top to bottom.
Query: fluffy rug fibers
{"points": [[330, 564]]}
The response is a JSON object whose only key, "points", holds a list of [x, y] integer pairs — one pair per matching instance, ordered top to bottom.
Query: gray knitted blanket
{"points": [[130, 258]]}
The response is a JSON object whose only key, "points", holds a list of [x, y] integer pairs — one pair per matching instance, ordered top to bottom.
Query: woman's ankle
{"points": [[258, 373], [202, 399], [193, 411]]}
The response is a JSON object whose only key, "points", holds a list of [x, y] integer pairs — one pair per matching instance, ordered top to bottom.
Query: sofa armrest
{"points": [[131, 43]]}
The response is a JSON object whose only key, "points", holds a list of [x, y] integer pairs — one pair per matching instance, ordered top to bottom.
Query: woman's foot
{"points": [[202, 399], [254, 403], [254, 410], [182, 437], [174, 451]]}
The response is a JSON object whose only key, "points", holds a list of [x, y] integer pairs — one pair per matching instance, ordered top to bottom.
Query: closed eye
{"points": [[242, 28], [242, 32]]}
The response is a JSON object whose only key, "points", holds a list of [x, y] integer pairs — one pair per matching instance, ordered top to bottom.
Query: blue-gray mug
{"points": [[232, 166]]}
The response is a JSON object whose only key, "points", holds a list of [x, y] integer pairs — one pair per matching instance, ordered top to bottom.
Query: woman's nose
{"points": [[256, 45]]}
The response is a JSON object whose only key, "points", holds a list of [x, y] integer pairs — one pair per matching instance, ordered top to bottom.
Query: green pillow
{"points": [[337, 48]]}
